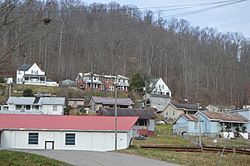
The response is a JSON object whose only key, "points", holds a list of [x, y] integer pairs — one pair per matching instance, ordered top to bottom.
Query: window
{"points": [[162, 86], [102, 87], [111, 88], [18, 107], [27, 107], [54, 108], [173, 112], [196, 125], [33, 138], [70, 139]]}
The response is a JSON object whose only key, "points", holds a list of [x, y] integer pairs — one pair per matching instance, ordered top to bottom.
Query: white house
{"points": [[33, 75], [159, 87], [34, 105], [92, 133]]}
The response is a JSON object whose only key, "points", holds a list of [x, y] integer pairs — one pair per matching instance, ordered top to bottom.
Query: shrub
{"points": [[28, 93]]}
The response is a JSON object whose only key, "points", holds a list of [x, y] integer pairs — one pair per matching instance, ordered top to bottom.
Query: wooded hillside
{"points": [[67, 37]]}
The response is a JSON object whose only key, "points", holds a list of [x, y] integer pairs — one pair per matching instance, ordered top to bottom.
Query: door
{"points": [[49, 145]]}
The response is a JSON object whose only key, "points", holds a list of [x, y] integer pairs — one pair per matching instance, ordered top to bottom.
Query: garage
{"points": [[92, 133]]}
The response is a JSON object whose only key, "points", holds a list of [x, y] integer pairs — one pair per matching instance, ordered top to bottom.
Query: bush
{"points": [[2, 79], [28, 93]]}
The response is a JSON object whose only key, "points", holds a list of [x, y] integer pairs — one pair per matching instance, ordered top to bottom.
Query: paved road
{"points": [[87, 158]]}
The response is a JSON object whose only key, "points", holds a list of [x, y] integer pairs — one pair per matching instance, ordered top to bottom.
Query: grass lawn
{"points": [[163, 136], [26, 159]]}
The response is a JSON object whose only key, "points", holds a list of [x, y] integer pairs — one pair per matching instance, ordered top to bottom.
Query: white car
{"points": [[160, 122]]}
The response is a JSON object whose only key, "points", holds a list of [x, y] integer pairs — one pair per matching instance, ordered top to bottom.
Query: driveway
{"points": [[87, 158]]}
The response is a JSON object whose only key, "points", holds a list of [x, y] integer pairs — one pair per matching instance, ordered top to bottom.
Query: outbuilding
{"points": [[92, 133]]}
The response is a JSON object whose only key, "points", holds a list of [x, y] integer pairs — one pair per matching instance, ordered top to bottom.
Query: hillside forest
{"points": [[66, 37]]}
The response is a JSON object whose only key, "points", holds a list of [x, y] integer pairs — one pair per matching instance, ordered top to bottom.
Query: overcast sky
{"points": [[230, 18]]}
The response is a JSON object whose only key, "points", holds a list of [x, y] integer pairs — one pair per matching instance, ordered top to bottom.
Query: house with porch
{"points": [[33, 75], [102, 82], [97, 102], [34, 105], [245, 112], [215, 123], [145, 125]]}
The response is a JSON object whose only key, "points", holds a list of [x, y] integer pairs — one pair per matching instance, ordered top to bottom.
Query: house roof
{"points": [[24, 67], [159, 96], [75, 99], [36, 100], [111, 101], [185, 106], [141, 113], [190, 117], [224, 117], [61, 122]]}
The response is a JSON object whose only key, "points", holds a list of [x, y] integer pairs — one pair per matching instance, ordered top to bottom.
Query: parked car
{"points": [[160, 122]]}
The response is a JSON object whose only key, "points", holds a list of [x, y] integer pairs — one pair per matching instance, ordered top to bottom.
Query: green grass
{"points": [[164, 136], [9, 158]]}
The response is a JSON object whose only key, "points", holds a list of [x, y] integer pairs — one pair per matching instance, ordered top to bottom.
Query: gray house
{"points": [[157, 101], [108, 102], [34, 105], [145, 125]]}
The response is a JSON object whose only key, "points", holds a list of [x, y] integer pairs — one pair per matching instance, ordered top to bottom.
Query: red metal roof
{"points": [[61, 122]]}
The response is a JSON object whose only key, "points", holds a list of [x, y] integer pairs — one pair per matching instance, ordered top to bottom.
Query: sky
{"points": [[230, 18]]}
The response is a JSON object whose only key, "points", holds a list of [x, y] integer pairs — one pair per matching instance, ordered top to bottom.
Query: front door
{"points": [[49, 145]]}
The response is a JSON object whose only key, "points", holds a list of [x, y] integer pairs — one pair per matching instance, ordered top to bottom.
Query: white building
{"points": [[33, 75], [159, 87], [34, 105], [90, 133]]}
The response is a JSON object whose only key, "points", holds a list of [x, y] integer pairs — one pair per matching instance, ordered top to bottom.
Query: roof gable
{"points": [[60, 122]]}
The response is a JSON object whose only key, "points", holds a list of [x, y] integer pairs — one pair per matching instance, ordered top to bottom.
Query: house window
{"points": [[19, 72], [162, 86], [102, 87], [111, 88], [18, 107], [27, 107], [54, 108], [173, 112], [196, 125], [33, 138], [70, 139]]}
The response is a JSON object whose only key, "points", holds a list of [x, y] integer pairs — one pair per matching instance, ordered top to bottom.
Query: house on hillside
{"points": [[33, 75], [102, 82], [159, 87], [157, 101], [75, 102], [108, 102], [34, 105], [220, 108], [174, 109], [245, 112], [214, 123], [186, 124], [145, 125], [91, 133]]}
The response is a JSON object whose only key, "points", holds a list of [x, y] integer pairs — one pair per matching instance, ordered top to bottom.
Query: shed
{"points": [[186, 123], [145, 125], [92, 133]]}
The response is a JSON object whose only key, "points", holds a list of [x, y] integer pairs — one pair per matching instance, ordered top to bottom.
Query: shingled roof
{"points": [[24, 67], [111, 101], [141, 113], [224, 117]]}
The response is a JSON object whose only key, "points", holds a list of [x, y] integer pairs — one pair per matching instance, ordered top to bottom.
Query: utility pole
{"points": [[115, 88], [92, 90], [199, 126]]}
